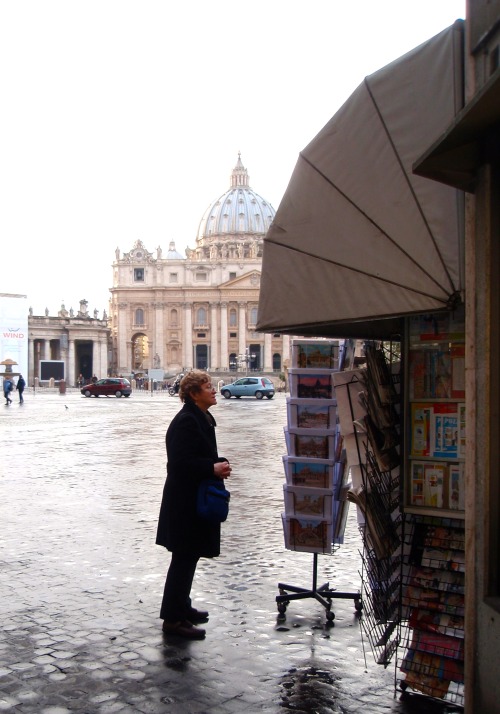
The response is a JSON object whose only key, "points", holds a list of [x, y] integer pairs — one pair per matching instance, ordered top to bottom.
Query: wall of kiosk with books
{"points": [[436, 413], [315, 503], [413, 548], [433, 574]]}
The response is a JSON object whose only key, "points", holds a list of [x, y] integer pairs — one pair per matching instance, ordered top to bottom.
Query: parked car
{"points": [[116, 386], [257, 387]]}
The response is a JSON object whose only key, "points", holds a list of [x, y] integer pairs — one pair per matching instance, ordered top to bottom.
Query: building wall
{"points": [[176, 314], [81, 341], [483, 380], [483, 462]]}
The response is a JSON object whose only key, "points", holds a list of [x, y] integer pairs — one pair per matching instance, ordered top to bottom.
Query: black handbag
{"points": [[213, 501]]}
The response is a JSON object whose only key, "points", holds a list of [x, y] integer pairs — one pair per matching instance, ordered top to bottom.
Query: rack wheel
{"points": [[358, 605], [282, 608], [330, 616]]}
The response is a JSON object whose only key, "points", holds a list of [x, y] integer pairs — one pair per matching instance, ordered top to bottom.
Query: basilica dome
{"points": [[239, 214]]}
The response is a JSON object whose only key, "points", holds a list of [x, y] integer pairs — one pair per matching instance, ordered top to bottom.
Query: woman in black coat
{"points": [[191, 457]]}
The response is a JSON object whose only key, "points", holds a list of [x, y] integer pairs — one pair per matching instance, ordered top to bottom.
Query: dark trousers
{"points": [[176, 601]]}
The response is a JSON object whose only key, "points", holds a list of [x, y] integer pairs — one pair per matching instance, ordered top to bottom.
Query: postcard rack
{"points": [[370, 423], [315, 492]]}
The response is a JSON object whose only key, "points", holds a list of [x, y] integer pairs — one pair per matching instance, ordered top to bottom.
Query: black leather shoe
{"points": [[195, 615], [183, 629]]}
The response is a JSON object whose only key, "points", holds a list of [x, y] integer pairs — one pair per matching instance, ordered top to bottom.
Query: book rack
{"points": [[432, 616]]}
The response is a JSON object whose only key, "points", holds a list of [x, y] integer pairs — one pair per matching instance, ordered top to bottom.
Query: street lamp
{"points": [[246, 359]]}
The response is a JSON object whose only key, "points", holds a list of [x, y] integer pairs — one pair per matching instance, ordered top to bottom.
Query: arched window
{"points": [[139, 316], [253, 316], [201, 317], [173, 318], [233, 319], [276, 362]]}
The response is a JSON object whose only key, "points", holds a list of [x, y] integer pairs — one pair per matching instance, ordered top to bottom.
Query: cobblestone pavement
{"points": [[81, 578]]}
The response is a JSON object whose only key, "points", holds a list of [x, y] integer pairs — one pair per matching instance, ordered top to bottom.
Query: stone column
{"points": [[242, 328], [159, 335], [188, 337], [46, 349], [128, 351], [124, 353], [268, 353], [151, 355], [224, 356], [104, 357], [286, 357], [96, 360], [214, 362], [71, 376], [30, 378]]}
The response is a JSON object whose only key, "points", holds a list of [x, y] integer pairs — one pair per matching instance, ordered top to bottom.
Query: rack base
{"points": [[323, 594]]}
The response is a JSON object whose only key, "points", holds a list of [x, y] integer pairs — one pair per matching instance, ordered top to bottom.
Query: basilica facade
{"points": [[171, 313]]}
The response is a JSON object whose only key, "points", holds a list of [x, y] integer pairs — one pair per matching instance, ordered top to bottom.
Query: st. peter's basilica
{"points": [[169, 312]]}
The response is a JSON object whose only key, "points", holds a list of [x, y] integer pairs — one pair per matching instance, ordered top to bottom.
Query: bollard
{"points": [[62, 387]]}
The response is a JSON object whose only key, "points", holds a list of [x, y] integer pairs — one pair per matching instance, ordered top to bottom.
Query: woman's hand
{"points": [[222, 469]]}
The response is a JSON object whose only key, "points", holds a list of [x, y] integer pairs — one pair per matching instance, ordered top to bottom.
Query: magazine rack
{"points": [[371, 418], [324, 594]]}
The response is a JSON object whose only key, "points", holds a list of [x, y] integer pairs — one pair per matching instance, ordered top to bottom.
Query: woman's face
{"points": [[205, 398]]}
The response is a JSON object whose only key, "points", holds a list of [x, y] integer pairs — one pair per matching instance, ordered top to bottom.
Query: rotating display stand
{"points": [[315, 492], [324, 595]]}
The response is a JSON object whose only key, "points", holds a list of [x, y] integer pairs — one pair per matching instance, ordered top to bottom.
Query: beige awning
{"points": [[358, 237]]}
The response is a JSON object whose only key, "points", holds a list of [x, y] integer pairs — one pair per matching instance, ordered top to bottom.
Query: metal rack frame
{"points": [[323, 594]]}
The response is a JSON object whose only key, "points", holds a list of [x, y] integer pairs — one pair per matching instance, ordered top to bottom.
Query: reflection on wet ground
{"points": [[81, 578]]}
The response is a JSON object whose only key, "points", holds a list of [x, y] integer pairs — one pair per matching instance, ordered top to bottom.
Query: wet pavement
{"points": [[81, 578]]}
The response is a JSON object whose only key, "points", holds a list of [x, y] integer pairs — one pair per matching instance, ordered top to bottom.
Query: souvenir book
{"points": [[438, 430], [429, 484], [447, 581], [434, 600], [443, 623], [435, 643], [434, 665]]}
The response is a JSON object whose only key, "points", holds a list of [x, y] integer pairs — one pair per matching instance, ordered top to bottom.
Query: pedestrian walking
{"points": [[21, 384], [7, 389], [191, 457]]}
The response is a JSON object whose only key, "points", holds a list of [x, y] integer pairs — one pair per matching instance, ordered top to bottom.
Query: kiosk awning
{"points": [[358, 237]]}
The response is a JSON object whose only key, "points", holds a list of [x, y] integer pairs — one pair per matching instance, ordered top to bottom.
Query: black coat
{"points": [[191, 454]]}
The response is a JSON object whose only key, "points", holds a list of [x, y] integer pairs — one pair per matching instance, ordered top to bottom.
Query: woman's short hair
{"points": [[192, 383]]}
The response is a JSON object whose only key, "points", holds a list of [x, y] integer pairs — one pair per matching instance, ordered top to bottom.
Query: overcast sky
{"points": [[123, 120]]}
